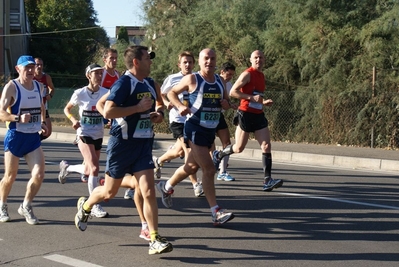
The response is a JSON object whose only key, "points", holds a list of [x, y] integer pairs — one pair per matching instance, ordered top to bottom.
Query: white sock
{"points": [[223, 164], [79, 168], [92, 183], [168, 186], [2, 203], [26, 204], [144, 225]]}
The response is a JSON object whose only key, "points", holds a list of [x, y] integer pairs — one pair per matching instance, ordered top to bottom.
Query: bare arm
{"points": [[242, 80], [50, 87], [6, 100], [159, 101], [225, 102], [101, 103], [67, 112], [158, 115]]}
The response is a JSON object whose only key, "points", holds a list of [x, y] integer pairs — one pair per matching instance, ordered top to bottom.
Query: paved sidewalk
{"points": [[322, 155]]}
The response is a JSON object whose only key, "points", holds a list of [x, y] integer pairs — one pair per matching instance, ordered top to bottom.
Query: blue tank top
{"points": [[128, 91], [204, 102]]}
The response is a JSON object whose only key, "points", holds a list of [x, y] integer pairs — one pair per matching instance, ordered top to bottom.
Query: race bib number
{"points": [[256, 105], [91, 118], [209, 119], [34, 124], [143, 127]]}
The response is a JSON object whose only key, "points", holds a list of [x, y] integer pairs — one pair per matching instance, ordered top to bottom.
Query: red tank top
{"points": [[43, 80], [109, 80], [256, 86]]}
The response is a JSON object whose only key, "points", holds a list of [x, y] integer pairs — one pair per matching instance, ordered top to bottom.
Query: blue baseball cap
{"points": [[25, 60]]}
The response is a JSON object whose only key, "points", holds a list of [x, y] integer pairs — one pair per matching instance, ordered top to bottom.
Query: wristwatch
{"points": [[16, 118]]}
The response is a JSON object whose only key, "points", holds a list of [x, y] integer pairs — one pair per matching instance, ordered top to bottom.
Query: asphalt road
{"points": [[320, 217]]}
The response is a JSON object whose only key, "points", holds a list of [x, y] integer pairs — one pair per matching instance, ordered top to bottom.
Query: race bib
{"points": [[90, 117], [209, 119], [34, 124], [143, 127]]}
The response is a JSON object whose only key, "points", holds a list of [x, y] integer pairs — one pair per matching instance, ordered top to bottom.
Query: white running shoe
{"points": [[157, 169], [63, 171], [198, 190], [129, 193], [98, 211], [27, 212], [81, 216], [221, 216], [4, 217], [160, 245]]}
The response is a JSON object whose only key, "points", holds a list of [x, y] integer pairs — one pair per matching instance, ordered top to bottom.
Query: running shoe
{"points": [[216, 159], [157, 169], [63, 171], [225, 177], [84, 178], [270, 184], [198, 190], [129, 193], [166, 195], [98, 211], [27, 212], [81, 216], [221, 216], [4, 217], [145, 234], [160, 245]]}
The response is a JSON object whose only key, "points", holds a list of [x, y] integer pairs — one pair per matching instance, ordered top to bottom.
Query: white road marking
{"points": [[340, 200], [70, 261]]}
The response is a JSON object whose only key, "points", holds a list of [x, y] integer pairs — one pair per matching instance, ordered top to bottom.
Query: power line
{"points": [[52, 32]]}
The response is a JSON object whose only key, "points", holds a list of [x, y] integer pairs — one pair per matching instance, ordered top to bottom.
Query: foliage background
{"points": [[320, 57]]}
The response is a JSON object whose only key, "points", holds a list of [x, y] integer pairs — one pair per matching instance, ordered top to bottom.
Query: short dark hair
{"points": [[109, 50], [133, 52], [186, 54], [228, 66]]}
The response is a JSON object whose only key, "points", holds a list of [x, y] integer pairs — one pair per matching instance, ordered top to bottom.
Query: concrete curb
{"points": [[278, 156], [311, 159]]}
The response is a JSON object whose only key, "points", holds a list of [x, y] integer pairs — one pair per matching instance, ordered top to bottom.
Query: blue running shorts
{"points": [[199, 135], [20, 144], [128, 156]]}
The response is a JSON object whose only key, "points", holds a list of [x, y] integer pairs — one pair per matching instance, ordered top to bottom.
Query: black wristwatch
{"points": [[16, 118]]}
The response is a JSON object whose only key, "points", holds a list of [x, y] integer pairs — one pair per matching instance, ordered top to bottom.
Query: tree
{"points": [[232, 28], [123, 35], [70, 36], [319, 57]]}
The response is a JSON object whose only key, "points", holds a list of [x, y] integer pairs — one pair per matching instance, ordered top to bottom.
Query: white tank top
{"points": [[28, 101]]}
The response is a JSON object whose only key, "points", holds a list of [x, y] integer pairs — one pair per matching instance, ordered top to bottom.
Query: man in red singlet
{"points": [[110, 74], [46, 80], [249, 89]]}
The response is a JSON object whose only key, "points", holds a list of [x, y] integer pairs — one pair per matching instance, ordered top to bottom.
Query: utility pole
{"points": [[372, 95]]}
